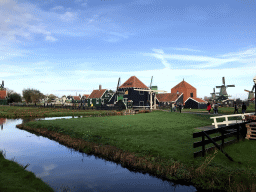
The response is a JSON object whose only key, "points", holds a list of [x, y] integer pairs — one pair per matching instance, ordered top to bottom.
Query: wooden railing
{"points": [[228, 122], [226, 132]]}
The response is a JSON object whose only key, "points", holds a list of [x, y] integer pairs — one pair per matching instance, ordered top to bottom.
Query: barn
{"points": [[195, 103]]}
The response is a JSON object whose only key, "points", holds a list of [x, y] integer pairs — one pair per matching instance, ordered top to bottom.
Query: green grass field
{"points": [[23, 112], [160, 134], [14, 177]]}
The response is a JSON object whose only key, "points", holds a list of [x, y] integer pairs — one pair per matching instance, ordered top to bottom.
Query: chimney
{"points": [[99, 87]]}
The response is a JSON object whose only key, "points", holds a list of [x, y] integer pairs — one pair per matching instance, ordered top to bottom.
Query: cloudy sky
{"points": [[71, 46]]}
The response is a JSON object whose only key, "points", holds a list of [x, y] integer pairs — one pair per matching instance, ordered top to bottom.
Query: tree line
{"points": [[30, 96]]}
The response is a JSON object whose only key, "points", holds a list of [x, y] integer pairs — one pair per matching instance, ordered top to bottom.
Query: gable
{"points": [[133, 82], [183, 84], [97, 93], [168, 97]]}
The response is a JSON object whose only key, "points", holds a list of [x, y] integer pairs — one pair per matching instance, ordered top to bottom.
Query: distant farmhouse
{"points": [[182, 93], [130, 96]]}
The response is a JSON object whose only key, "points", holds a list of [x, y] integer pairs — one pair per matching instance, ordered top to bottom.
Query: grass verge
{"points": [[160, 143], [14, 177]]}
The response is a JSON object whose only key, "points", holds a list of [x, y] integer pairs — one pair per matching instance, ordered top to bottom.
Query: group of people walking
{"points": [[177, 107], [215, 107]]}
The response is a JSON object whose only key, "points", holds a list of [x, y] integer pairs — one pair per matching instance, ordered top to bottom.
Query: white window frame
{"points": [[97, 100], [90, 101], [102, 101]]}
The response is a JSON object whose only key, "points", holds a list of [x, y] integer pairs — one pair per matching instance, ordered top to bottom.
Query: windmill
{"points": [[2, 86], [223, 90], [151, 93], [251, 93], [213, 94], [119, 97]]}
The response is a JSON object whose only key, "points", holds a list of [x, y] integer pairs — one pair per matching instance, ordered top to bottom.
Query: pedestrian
{"points": [[180, 107], [209, 107], [174, 108], [215, 108], [235, 108], [243, 108]]}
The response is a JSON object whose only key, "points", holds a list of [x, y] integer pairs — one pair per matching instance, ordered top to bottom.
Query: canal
{"points": [[65, 169]]}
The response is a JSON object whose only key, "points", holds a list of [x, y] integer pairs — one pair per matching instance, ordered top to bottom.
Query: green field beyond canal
{"points": [[164, 140]]}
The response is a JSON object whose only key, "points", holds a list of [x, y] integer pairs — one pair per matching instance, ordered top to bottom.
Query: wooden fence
{"points": [[226, 132]]}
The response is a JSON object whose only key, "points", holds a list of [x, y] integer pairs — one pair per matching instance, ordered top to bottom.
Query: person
{"points": [[174, 107], [180, 107], [209, 107], [215, 108], [243, 108], [236, 109]]}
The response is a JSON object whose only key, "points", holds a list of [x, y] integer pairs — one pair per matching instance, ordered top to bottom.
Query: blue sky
{"points": [[66, 47]]}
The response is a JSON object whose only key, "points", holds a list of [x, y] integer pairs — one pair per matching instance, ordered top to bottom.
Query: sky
{"points": [[70, 47]]}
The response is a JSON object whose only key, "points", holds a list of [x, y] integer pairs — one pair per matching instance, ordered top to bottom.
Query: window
{"points": [[126, 92], [141, 92], [191, 94], [90, 101], [97, 101], [102, 101], [141, 103]]}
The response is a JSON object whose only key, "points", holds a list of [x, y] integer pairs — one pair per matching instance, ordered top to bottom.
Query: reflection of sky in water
{"points": [[59, 166]]}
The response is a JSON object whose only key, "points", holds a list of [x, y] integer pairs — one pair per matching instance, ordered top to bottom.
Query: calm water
{"points": [[60, 166]]}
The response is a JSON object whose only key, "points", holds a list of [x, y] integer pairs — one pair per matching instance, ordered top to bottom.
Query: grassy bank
{"points": [[224, 110], [22, 112], [160, 143], [14, 177]]}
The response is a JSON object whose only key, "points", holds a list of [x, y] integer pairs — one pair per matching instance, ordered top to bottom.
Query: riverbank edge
{"points": [[23, 174], [202, 177]]}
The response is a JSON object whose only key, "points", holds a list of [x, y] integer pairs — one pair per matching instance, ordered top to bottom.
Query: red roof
{"points": [[133, 82], [183, 84], [97, 93], [3, 94], [86, 96], [167, 97], [76, 98], [2, 121]]}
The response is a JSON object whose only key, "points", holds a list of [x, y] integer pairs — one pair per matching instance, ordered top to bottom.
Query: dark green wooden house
{"points": [[99, 97]]}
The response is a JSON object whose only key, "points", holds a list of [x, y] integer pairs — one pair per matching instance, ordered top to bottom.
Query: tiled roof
{"points": [[133, 82], [183, 84], [97, 93], [3, 94], [86, 96], [167, 97], [76, 98], [197, 99], [2, 121]]}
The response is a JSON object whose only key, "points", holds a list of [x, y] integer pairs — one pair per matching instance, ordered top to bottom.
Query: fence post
{"points": [[222, 138], [203, 146]]}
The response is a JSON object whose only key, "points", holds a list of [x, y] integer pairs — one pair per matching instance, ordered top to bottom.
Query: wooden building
{"points": [[3, 96], [99, 97], [131, 97], [195, 103]]}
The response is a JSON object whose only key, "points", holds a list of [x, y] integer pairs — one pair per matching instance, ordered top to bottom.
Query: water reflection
{"points": [[2, 122], [58, 165]]}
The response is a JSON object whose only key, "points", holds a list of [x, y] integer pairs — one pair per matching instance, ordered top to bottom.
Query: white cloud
{"points": [[58, 8], [68, 16], [50, 38], [186, 49]]}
